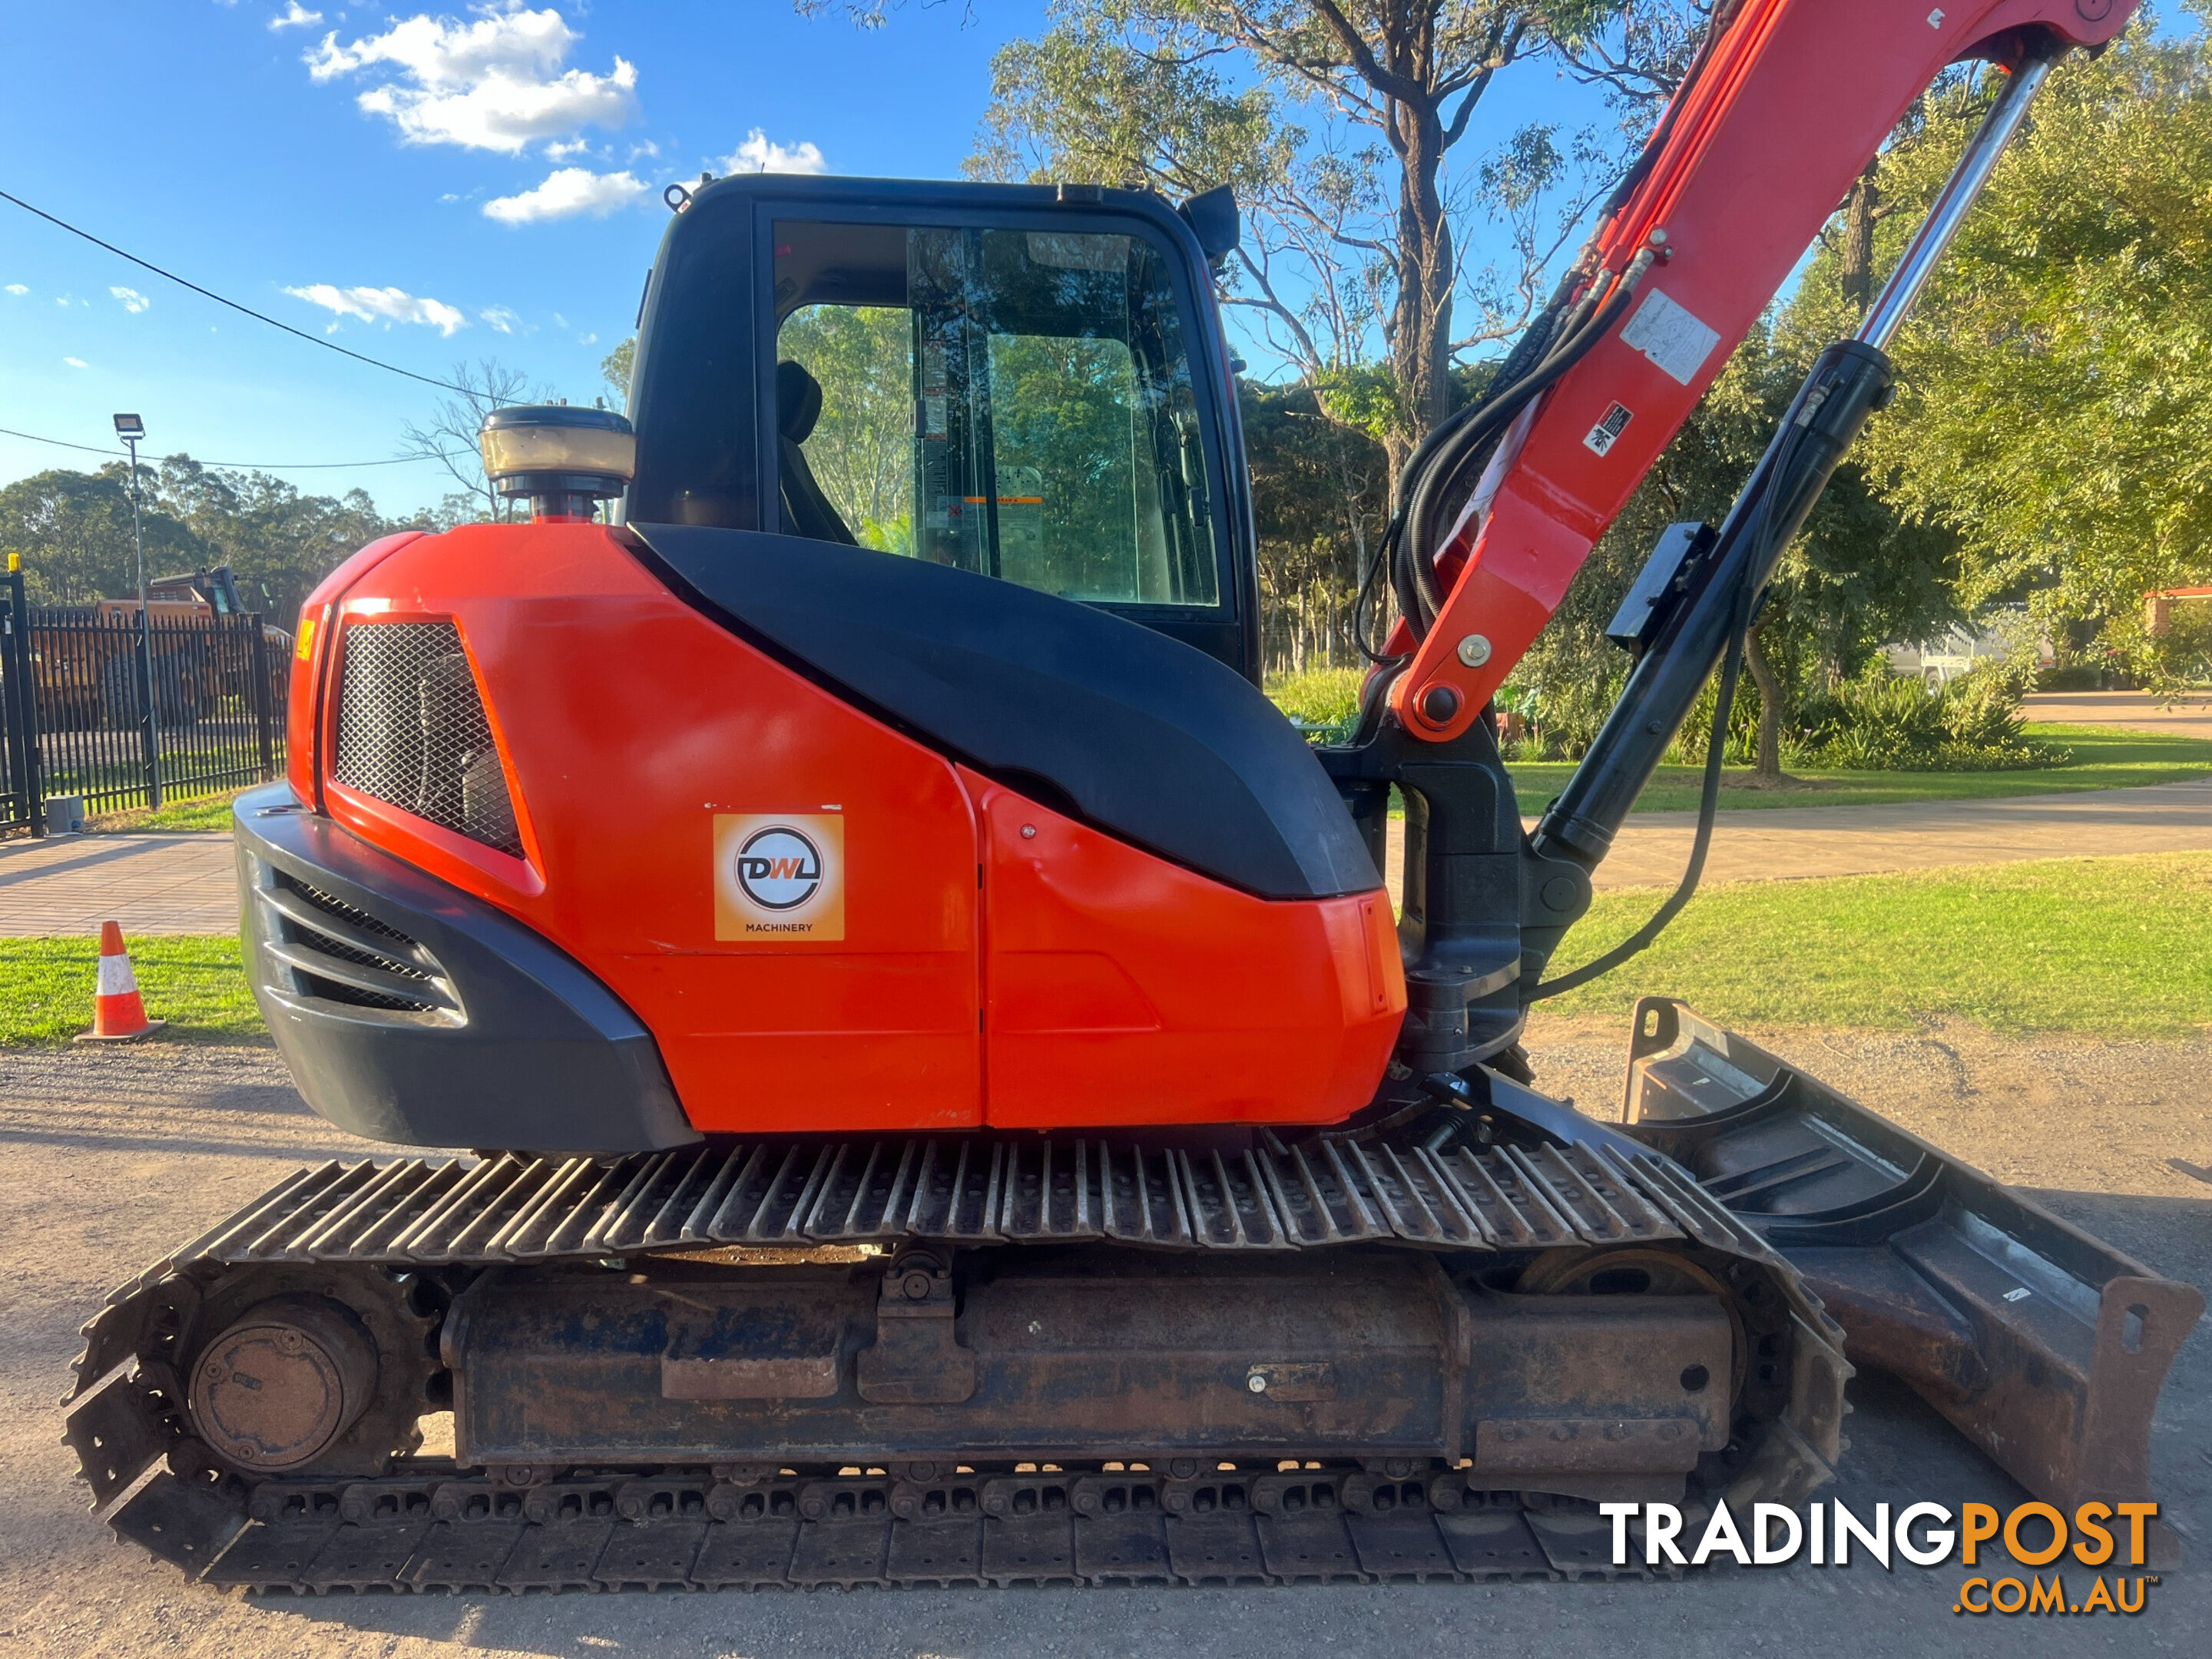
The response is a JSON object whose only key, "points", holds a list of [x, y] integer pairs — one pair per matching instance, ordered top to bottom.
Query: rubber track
{"points": [[971, 1191], [425, 1526], [489, 1542]]}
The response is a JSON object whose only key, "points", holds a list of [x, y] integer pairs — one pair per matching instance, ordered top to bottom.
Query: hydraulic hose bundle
{"points": [[1560, 337]]}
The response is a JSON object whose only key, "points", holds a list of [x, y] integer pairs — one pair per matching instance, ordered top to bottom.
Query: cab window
{"points": [[1013, 402]]}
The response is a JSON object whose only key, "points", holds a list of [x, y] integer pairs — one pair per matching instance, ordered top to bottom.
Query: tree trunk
{"points": [[1856, 276], [1421, 319], [1355, 520], [1767, 763]]}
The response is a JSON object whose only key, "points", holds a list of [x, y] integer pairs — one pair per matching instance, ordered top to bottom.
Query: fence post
{"points": [[21, 706], [264, 723], [149, 725]]}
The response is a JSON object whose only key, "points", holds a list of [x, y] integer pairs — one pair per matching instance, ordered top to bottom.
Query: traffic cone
{"points": [[118, 1013]]}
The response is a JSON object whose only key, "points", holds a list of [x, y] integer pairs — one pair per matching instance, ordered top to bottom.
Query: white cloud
{"points": [[295, 16], [494, 83], [568, 151], [759, 154], [566, 192], [18, 289], [133, 300], [380, 305], [504, 319], [587, 339], [77, 362]]}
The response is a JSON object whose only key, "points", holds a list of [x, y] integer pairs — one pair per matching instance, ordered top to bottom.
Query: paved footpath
{"points": [[1767, 843], [151, 883]]}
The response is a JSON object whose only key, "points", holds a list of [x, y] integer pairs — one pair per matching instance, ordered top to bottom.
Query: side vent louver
{"points": [[412, 732], [342, 954]]}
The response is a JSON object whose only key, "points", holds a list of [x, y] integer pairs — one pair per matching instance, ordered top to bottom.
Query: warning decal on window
{"points": [[1670, 336], [1600, 437]]}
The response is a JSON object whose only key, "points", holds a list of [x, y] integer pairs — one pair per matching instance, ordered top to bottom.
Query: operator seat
{"points": [[806, 510]]}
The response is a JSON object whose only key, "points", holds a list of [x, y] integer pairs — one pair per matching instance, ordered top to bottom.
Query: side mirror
{"points": [[1211, 216]]}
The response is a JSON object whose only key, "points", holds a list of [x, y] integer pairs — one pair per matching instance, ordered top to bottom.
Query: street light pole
{"points": [[130, 429]]}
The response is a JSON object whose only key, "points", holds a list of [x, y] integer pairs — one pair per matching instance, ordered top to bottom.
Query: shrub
{"points": [[2184, 654], [2072, 677], [1323, 703], [1560, 718], [1885, 723]]}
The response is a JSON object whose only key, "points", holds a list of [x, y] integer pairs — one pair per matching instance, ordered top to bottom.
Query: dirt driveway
{"points": [[2135, 711], [114, 1157]]}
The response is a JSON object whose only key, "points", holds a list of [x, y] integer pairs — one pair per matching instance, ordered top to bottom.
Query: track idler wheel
{"points": [[282, 1384]]}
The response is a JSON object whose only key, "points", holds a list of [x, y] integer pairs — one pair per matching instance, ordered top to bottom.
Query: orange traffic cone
{"points": [[118, 1013]]}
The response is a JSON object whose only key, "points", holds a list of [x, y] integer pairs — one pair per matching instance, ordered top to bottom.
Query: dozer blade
{"points": [[2044, 1346]]}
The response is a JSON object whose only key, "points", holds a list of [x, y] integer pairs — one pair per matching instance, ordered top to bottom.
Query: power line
{"points": [[208, 294], [244, 466]]}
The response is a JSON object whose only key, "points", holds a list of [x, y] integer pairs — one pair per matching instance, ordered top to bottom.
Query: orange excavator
{"points": [[948, 1098]]}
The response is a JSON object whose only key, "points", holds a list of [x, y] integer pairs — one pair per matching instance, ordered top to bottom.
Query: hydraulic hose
{"points": [[1560, 328], [1844, 387], [1469, 446], [1409, 544], [1710, 624], [1701, 843]]}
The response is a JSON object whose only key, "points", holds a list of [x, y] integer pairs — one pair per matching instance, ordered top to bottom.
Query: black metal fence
{"points": [[127, 714], [19, 769]]}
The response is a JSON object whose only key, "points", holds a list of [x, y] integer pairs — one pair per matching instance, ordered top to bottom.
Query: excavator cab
{"points": [[1029, 383]]}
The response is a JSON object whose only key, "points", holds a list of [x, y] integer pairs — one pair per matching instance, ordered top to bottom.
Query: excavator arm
{"points": [[1782, 109]]}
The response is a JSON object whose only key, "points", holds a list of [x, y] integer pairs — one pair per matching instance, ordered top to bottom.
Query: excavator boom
{"points": [[1788, 104]]}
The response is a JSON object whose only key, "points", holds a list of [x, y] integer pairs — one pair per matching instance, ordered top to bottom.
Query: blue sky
{"points": [[422, 186]]}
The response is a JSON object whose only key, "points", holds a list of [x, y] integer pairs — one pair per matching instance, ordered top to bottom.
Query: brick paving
{"points": [[2132, 711], [151, 883]]}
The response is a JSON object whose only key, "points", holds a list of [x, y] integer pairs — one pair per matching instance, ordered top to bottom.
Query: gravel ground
{"points": [[114, 1157]]}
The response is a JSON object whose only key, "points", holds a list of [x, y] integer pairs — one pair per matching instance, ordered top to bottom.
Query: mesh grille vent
{"points": [[411, 730], [345, 911], [345, 952], [331, 990]]}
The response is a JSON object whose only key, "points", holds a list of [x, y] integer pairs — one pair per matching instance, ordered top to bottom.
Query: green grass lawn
{"points": [[2104, 757], [205, 812], [2115, 946], [2119, 947], [197, 984]]}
